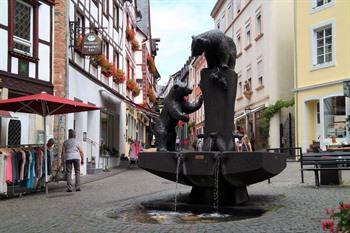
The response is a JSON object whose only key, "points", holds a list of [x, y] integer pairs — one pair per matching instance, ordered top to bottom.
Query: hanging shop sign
{"points": [[91, 45], [346, 86]]}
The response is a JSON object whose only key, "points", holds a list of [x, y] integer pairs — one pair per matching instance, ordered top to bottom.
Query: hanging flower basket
{"points": [[130, 34], [79, 43], [135, 45], [95, 60], [151, 65], [106, 66], [118, 75], [131, 84], [136, 91], [151, 95]]}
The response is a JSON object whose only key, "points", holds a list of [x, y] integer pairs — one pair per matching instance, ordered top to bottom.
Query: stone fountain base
{"points": [[229, 173]]}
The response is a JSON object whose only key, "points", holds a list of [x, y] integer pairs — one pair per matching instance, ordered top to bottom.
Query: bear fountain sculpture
{"points": [[218, 166]]}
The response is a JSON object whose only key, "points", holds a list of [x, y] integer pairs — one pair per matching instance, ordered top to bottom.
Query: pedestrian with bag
{"points": [[72, 155]]}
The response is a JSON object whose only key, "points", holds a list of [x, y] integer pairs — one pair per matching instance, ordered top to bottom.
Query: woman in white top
{"points": [[72, 155]]}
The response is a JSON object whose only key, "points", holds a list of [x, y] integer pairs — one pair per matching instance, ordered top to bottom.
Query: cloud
{"points": [[174, 22]]}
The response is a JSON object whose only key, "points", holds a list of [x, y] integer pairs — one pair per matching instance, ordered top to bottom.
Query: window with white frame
{"points": [[320, 3], [238, 6], [105, 7], [230, 12], [115, 16], [223, 21], [258, 22], [23, 28], [248, 34], [238, 41], [323, 45], [105, 48], [260, 72], [249, 76], [240, 87]]}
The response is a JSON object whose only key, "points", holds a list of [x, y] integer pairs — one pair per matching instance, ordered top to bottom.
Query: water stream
{"points": [[177, 179], [216, 184]]}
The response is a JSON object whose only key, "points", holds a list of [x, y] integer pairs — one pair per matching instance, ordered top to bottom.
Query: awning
{"points": [[4, 113], [243, 114]]}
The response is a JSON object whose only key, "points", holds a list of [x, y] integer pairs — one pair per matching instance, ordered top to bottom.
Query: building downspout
{"points": [[67, 60], [295, 78]]}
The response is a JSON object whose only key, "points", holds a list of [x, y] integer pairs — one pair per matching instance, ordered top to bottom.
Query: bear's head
{"points": [[198, 46], [182, 88]]}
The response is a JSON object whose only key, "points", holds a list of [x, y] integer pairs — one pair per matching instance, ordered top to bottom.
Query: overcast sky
{"points": [[174, 22]]}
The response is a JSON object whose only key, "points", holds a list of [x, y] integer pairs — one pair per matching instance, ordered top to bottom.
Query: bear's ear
{"points": [[193, 37], [202, 40], [176, 86]]}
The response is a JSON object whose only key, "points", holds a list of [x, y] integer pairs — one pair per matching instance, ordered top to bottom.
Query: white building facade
{"points": [[263, 33]]}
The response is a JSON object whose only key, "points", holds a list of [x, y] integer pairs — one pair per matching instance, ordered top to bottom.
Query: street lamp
{"points": [[247, 111]]}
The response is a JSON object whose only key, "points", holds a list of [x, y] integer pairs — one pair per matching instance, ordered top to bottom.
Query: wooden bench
{"points": [[314, 162]]}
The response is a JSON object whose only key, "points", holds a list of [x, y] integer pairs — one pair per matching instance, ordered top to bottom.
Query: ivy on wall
{"points": [[270, 111]]}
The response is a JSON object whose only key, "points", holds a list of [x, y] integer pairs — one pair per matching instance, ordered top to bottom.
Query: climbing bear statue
{"points": [[175, 108]]}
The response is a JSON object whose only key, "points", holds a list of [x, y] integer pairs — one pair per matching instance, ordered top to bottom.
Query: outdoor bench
{"points": [[318, 162]]}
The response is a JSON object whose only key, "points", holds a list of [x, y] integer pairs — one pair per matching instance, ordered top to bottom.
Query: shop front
{"points": [[323, 116]]}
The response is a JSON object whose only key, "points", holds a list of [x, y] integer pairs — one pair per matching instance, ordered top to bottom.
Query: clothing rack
{"points": [[22, 146], [16, 189]]}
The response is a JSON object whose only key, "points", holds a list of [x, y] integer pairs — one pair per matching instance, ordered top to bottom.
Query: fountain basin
{"points": [[197, 168], [235, 170]]}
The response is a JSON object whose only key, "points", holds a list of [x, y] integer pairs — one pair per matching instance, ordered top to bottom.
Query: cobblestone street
{"points": [[299, 208]]}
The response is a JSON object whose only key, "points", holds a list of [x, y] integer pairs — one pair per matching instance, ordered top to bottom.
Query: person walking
{"points": [[246, 146], [72, 155]]}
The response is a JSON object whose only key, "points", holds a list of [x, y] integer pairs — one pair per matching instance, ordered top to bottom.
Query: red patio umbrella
{"points": [[44, 104]]}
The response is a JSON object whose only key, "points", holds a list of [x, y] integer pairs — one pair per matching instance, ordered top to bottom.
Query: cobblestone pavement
{"points": [[295, 207]]}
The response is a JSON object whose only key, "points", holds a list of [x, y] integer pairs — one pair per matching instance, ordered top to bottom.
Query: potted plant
{"points": [[131, 84], [105, 150], [339, 219]]}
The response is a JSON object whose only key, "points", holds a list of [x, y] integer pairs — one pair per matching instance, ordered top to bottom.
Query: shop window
{"points": [[23, 28], [335, 117]]}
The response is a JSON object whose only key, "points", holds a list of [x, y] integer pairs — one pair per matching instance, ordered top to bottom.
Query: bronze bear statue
{"points": [[219, 51], [175, 108]]}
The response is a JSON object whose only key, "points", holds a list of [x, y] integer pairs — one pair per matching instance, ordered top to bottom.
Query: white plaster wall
{"points": [[71, 11], [94, 11], [4, 12], [44, 22], [3, 45], [44, 62], [14, 65], [32, 69], [90, 122]]}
